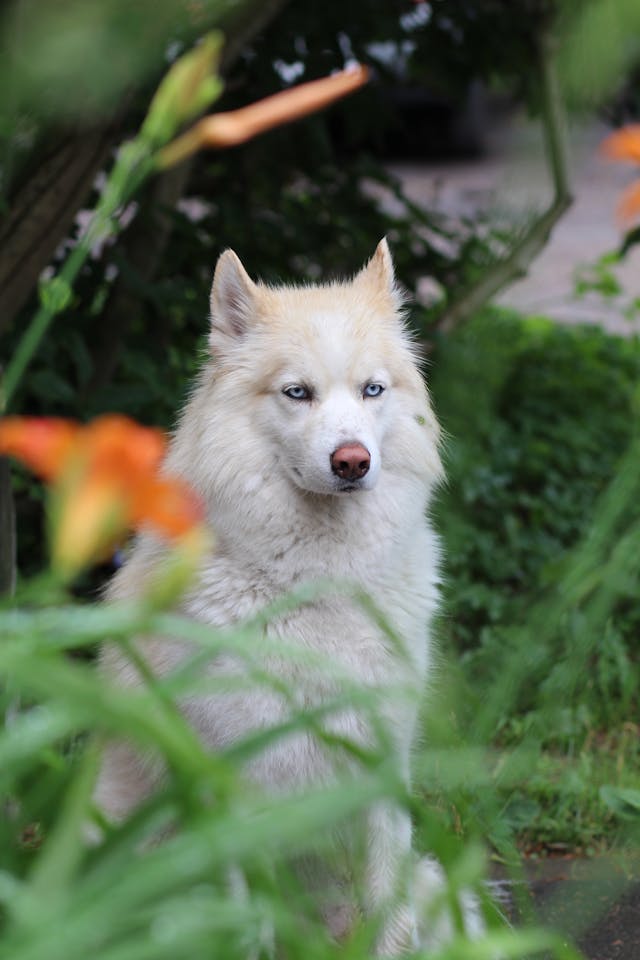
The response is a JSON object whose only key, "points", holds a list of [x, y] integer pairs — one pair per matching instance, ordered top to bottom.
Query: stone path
{"points": [[512, 180]]}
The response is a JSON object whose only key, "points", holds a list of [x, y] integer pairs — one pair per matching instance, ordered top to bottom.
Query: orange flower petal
{"points": [[236, 126], [623, 144], [629, 203], [44, 444], [121, 448], [105, 479], [168, 505]]}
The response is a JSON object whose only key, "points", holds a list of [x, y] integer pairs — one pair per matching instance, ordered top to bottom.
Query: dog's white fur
{"points": [[261, 462]]}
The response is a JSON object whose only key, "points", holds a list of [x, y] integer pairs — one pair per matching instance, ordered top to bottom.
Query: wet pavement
{"points": [[595, 903]]}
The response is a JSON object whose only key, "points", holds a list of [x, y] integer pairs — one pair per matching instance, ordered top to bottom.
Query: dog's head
{"points": [[325, 375]]}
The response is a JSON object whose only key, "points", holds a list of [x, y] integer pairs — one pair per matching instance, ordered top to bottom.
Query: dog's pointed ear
{"points": [[379, 270], [232, 301]]}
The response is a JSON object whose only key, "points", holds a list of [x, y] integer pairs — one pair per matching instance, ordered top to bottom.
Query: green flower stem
{"points": [[132, 167]]}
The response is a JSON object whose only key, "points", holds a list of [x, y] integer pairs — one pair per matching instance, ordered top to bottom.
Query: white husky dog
{"points": [[311, 439]]}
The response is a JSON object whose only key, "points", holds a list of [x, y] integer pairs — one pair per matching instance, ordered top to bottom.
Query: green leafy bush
{"points": [[538, 418], [540, 519]]}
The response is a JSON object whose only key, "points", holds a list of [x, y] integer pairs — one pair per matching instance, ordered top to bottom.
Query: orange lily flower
{"points": [[230, 128], [624, 145], [42, 447], [104, 479]]}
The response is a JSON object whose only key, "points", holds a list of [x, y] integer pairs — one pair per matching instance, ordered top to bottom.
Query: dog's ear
{"points": [[379, 270], [233, 295]]}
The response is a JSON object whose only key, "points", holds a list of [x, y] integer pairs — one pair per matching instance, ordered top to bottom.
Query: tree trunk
{"points": [[42, 212]]}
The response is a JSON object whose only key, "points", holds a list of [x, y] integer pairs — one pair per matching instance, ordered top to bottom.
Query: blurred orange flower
{"points": [[230, 128], [624, 145], [43, 446], [104, 479]]}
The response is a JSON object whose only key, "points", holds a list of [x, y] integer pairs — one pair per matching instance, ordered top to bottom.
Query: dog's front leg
{"points": [[387, 879]]}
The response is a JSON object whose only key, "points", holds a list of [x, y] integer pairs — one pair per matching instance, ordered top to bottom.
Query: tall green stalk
{"points": [[132, 167]]}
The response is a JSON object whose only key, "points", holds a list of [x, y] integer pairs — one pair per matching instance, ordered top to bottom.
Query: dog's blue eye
{"points": [[372, 390], [297, 392]]}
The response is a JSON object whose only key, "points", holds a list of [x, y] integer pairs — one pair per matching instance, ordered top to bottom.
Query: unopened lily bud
{"points": [[189, 87]]}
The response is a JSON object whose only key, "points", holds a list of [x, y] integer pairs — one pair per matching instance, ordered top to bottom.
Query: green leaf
{"points": [[631, 239], [623, 801], [61, 857]]}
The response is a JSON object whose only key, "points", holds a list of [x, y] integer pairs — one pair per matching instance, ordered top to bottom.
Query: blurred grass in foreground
{"points": [[127, 898]]}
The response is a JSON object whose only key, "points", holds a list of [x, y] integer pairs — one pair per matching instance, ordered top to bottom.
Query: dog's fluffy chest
{"points": [[394, 574], [365, 622], [325, 654]]}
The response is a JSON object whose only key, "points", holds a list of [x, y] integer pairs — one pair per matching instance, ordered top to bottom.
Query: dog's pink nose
{"points": [[351, 462]]}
